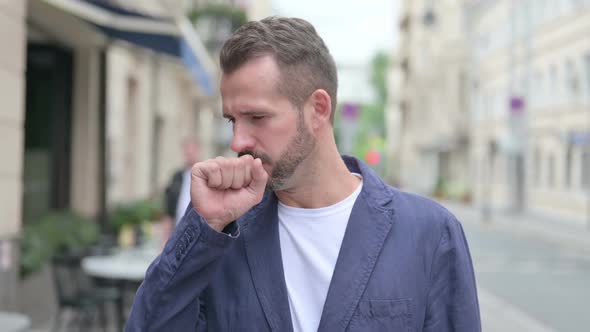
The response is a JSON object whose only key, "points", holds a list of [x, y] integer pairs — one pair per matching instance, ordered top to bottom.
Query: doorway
{"points": [[48, 121]]}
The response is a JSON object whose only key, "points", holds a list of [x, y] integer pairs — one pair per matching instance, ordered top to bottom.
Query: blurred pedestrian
{"points": [[177, 192], [177, 196], [328, 246]]}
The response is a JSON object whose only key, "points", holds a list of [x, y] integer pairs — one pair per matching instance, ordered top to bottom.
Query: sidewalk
{"points": [[547, 228], [497, 314]]}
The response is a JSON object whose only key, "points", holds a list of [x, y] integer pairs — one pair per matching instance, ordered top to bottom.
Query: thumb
{"points": [[259, 177]]}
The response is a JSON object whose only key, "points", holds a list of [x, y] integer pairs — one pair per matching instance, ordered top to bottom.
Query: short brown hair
{"points": [[305, 63]]}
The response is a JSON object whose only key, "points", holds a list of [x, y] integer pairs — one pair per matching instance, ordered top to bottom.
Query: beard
{"points": [[298, 149]]}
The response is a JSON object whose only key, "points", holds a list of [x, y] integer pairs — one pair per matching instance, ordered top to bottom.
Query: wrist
{"points": [[217, 224]]}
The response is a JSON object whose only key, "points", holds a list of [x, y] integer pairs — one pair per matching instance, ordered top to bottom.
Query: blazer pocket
{"points": [[383, 315]]}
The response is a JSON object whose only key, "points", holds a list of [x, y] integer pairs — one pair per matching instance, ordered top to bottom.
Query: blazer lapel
{"points": [[365, 234], [263, 251]]}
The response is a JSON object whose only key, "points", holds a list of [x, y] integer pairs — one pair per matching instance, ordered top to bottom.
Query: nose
{"points": [[242, 139]]}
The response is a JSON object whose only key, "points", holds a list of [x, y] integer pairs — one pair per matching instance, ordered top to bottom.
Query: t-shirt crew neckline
{"points": [[323, 211]]}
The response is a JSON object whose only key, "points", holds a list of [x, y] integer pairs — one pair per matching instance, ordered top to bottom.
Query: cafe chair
{"points": [[78, 293]]}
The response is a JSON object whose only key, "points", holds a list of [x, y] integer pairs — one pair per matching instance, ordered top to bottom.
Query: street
{"points": [[527, 282]]}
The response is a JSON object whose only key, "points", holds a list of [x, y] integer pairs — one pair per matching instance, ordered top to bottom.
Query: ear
{"points": [[322, 108]]}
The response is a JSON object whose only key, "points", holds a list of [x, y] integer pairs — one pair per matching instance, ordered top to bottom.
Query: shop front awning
{"points": [[174, 36]]}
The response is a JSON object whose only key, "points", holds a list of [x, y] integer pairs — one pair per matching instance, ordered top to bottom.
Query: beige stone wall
{"points": [[559, 34], [431, 62], [12, 69], [143, 86], [12, 109], [85, 129]]}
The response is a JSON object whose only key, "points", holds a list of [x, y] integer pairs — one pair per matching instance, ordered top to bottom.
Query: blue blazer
{"points": [[404, 265]]}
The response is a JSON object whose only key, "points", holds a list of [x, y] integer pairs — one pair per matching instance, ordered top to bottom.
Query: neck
{"points": [[321, 180]]}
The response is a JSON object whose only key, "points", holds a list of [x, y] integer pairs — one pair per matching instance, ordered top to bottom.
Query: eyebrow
{"points": [[245, 113]]}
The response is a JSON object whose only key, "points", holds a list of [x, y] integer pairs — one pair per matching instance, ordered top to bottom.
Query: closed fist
{"points": [[223, 189]]}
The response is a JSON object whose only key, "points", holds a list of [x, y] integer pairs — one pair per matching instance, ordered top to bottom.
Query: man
{"points": [[178, 190], [329, 246]]}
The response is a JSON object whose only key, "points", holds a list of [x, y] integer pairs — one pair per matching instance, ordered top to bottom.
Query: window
{"points": [[587, 74], [571, 82], [553, 84], [535, 90], [541, 91], [503, 102], [488, 105], [568, 166], [537, 167], [586, 169], [550, 171]]}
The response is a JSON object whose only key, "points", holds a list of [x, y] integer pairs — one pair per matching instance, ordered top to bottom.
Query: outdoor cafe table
{"points": [[125, 264], [124, 267], [14, 322]]}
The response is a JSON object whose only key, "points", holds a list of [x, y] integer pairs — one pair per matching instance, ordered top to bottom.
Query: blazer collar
{"points": [[369, 225], [263, 252]]}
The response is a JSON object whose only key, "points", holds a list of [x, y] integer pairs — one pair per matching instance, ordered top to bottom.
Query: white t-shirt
{"points": [[184, 197], [310, 243]]}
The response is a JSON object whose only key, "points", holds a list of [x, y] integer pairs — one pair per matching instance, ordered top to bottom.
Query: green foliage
{"points": [[236, 15], [379, 69], [371, 129], [441, 187], [449, 189], [135, 213], [58, 232]]}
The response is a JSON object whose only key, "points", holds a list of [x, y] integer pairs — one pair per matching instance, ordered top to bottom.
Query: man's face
{"points": [[265, 123]]}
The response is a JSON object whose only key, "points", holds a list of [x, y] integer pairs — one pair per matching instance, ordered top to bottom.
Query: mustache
{"points": [[263, 157]]}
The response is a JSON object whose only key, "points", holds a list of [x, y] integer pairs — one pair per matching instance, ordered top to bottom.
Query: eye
{"points": [[257, 117]]}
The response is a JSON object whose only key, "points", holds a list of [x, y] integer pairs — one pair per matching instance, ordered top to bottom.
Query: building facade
{"points": [[12, 82], [530, 105], [427, 113], [89, 118]]}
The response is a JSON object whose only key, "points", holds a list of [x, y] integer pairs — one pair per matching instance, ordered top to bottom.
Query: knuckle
{"points": [[235, 163], [239, 163]]}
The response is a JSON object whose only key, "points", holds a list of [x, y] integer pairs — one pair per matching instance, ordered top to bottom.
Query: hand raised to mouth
{"points": [[223, 189]]}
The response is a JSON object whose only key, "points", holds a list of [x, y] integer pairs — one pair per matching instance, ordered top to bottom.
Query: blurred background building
{"points": [[97, 98], [490, 101], [530, 102], [427, 109]]}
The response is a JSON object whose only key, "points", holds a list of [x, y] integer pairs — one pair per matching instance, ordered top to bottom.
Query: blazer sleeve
{"points": [[168, 298], [452, 298]]}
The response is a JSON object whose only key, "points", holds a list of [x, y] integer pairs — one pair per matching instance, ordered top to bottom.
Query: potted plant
{"points": [[129, 220], [57, 233]]}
